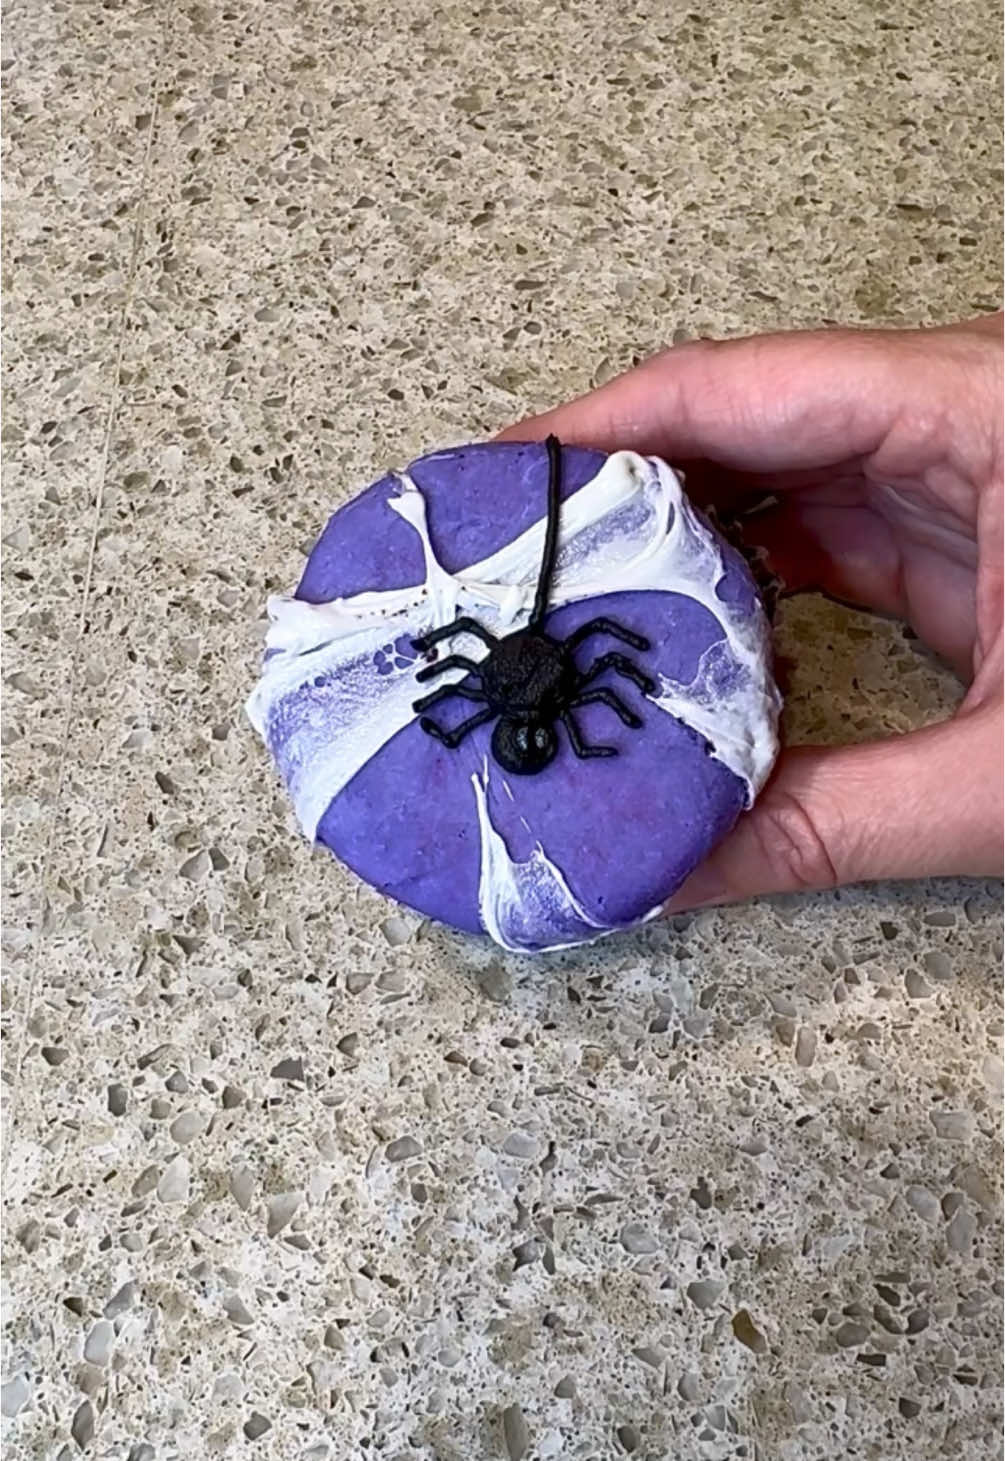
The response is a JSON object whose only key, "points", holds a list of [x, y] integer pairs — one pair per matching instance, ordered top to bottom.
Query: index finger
{"points": [[767, 403]]}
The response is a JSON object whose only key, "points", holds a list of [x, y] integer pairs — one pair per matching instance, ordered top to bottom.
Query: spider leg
{"points": [[463, 625], [606, 626], [452, 662], [623, 665], [444, 692], [609, 698], [452, 738], [582, 750]]}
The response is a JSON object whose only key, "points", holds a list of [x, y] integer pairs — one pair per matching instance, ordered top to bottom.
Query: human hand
{"points": [[885, 451]]}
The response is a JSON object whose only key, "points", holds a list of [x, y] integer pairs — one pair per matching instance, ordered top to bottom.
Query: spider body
{"points": [[529, 672], [529, 679]]}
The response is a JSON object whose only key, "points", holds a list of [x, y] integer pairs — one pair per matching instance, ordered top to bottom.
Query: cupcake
{"points": [[523, 688]]}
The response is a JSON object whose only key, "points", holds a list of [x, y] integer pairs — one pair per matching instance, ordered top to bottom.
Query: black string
{"points": [[554, 448]]}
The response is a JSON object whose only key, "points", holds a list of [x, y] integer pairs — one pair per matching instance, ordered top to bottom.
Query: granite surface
{"points": [[287, 1172]]}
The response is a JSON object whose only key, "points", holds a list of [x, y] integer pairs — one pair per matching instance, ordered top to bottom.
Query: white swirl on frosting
{"points": [[324, 710], [523, 903]]}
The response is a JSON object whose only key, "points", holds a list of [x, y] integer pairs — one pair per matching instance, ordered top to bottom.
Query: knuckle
{"points": [[794, 851]]}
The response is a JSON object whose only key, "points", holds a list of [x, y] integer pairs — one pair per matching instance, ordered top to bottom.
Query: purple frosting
{"points": [[625, 832]]}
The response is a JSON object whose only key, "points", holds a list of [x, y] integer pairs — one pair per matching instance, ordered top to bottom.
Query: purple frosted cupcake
{"points": [[524, 689]]}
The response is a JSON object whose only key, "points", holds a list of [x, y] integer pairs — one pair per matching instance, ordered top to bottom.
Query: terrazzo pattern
{"points": [[289, 1173]]}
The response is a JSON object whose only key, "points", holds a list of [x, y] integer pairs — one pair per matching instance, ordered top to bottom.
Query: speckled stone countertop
{"points": [[289, 1173]]}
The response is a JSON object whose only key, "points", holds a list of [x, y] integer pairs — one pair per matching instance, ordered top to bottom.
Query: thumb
{"points": [[927, 804]]}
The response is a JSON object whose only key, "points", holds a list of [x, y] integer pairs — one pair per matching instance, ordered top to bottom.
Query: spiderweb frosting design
{"points": [[331, 696]]}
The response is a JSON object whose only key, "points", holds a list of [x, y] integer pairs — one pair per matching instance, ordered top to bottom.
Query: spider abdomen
{"points": [[528, 673]]}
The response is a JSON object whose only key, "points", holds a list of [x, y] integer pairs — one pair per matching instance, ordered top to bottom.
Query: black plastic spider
{"points": [[529, 679]]}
